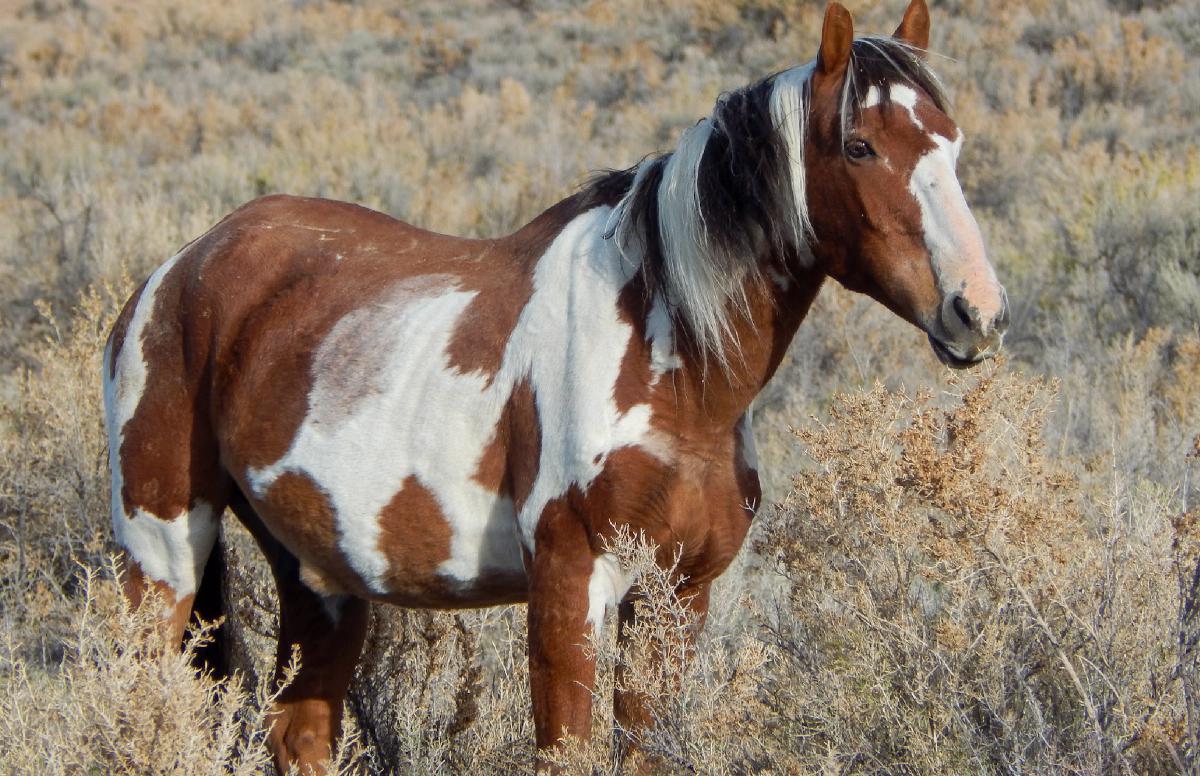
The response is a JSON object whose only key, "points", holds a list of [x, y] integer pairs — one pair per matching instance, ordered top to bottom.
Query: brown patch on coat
{"points": [[633, 381], [524, 443], [168, 454], [509, 464], [492, 470], [635, 489], [693, 506], [304, 525], [415, 538], [137, 585]]}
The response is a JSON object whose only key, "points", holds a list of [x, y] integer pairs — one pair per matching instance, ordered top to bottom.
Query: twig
{"points": [[1068, 666]]}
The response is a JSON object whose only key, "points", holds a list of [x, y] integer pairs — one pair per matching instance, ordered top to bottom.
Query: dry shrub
{"points": [[54, 473], [959, 602], [1187, 634], [696, 689], [122, 701], [442, 711]]}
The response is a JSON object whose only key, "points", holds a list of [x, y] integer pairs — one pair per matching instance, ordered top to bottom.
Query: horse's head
{"points": [[885, 206]]}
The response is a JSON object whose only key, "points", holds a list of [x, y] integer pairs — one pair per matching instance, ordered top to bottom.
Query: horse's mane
{"points": [[701, 218]]}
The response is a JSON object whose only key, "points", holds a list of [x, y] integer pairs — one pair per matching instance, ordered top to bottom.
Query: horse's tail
{"points": [[209, 606]]}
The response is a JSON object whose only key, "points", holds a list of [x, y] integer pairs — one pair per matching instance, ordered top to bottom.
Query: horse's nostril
{"points": [[963, 311], [1001, 324]]}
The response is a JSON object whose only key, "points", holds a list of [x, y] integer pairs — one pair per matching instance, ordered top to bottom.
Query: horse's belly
{"points": [[411, 552]]}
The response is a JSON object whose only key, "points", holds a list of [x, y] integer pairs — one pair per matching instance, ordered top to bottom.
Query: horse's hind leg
{"points": [[168, 488], [166, 511], [168, 560], [329, 632]]}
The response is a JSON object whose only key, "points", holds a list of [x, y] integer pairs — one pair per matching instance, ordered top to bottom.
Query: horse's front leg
{"points": [[562, 671], [631, 706]]}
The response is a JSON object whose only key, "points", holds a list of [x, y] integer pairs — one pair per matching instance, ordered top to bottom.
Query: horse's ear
{"points": [[914, 28], [837, 35]]}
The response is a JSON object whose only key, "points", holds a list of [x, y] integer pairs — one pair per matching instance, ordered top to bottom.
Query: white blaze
{"points": [[898, 94], [951, 233]]}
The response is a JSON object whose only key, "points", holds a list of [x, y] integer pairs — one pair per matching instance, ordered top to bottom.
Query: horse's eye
{"points": [[859, 149]]}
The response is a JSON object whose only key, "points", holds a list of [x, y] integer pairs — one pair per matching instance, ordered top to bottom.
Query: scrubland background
{"points": [[984, 573]]}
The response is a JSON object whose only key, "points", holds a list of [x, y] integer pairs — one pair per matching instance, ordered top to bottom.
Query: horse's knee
{"points": [[309, 747]]}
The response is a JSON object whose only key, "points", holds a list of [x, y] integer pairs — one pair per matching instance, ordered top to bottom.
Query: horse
{"points": [[412, 418]]}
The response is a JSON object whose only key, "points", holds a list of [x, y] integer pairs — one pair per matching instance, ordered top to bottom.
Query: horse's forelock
{"points": [[879, 61]]}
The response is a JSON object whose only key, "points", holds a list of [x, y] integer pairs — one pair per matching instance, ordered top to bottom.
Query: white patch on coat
{"points": [[898, 94], [903, 94], [873, 99], [570, 341], [125, 381], [386, 405], [410, 415], [171, 549], [607, 586]]}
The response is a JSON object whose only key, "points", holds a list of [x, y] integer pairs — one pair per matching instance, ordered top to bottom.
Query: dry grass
{"points": [[995, 573]]}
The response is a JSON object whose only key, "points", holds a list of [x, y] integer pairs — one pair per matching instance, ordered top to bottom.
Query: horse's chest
{"points": [[698, 507], [710, 516]]}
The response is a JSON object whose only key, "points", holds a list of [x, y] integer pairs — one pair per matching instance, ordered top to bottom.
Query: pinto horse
{"points": [[407, 417]]}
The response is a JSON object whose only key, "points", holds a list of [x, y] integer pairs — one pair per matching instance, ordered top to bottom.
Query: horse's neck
{"points": [[721, 396]]}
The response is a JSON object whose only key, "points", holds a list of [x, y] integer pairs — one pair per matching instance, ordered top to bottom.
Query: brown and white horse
{"points": [[412, 418]]}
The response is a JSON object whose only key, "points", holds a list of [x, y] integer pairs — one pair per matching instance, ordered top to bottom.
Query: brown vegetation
{"points": [[996, 573]]}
